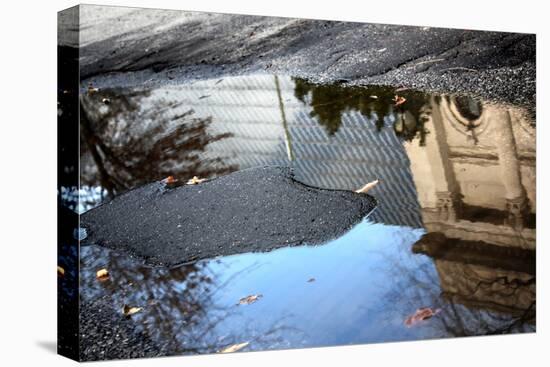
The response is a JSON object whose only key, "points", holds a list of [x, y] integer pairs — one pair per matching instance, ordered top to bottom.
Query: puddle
{"points": [[459, 169], [359, 288]]}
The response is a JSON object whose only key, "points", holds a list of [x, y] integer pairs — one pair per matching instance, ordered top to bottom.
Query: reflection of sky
{"points": [[82, 199], [366, 283], [348, 290]]}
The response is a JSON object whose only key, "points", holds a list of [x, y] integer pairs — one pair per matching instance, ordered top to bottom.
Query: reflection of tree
{"points": [[330, 101], [124, 144], [478, 307], [181, 309], [501, 319]]}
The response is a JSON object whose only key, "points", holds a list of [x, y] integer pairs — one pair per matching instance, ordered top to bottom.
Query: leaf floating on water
{"points": [[398, 100], [170, 180], [195, 180], [367, 187], [60, 271], [102, 274], [311, 280], [250, 299], [128, 311], [420, 315], [234, 347]]}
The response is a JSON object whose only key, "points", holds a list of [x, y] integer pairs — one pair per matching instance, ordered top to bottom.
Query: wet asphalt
{"points": [[152, 47], [257, 209]]}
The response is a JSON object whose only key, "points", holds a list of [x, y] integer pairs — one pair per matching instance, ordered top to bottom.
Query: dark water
{"points": [[458, 170]]}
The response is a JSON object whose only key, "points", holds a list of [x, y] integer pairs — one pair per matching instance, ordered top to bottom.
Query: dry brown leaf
{"points": [[399, 100], [195, 180], [172, 182], [367, 187], [60, 271], [102, 274], [250, 299], [128, 310], [420, 315], [234, 347]]}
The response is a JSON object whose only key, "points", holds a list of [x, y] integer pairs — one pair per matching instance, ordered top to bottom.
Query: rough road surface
{"points": [[129, 46], [257, 209], [106, 335]]}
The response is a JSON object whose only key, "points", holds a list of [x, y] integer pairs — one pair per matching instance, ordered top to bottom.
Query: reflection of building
{"points": [[270, 126], [475, 178], [481, 275], [495, 289]]}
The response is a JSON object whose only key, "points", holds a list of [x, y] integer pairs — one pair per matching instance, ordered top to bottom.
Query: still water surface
{"points": [[454, 230]]}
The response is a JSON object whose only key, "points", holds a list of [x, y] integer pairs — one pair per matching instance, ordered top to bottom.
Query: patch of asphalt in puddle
{"points": [[257, 209]]}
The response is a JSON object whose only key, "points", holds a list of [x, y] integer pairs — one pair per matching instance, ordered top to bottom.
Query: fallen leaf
{"points": [[399, 100], [195, 180], [172, 182], [367, 187], [60, 271], [102, 274], [310, 280], [250, 299], [128, 311], [420, 315], [234, 348]]}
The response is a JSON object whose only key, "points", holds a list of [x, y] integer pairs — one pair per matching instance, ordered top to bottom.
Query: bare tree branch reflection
{"points": [[127, 143], [474, 299], [181, 313]]}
